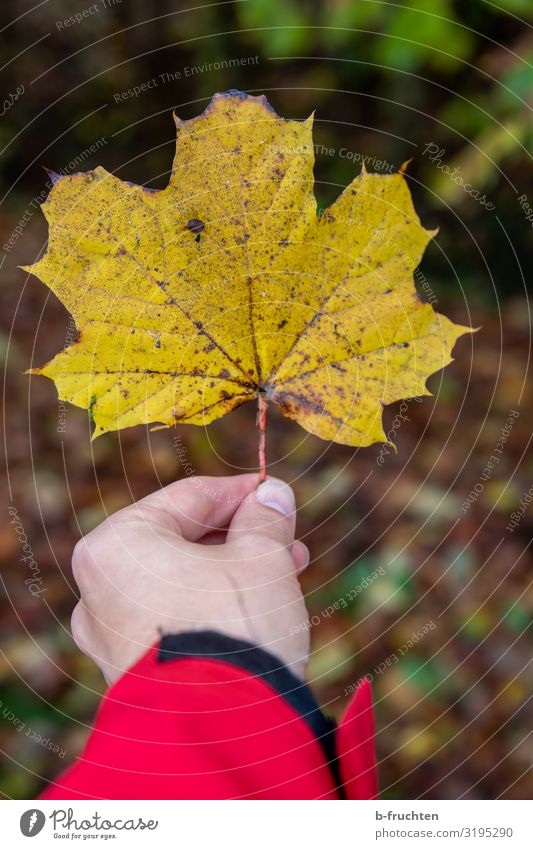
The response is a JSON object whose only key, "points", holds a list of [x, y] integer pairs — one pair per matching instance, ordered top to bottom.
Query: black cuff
{"points": [[259, 662]]}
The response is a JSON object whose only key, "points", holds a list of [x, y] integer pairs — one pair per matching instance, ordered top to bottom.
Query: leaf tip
{"points": [[404, 166], [53, 175], [463, 329], [98, 431]]}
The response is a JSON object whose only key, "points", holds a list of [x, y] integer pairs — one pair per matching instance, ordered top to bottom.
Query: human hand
{"points": [[204, 553]]}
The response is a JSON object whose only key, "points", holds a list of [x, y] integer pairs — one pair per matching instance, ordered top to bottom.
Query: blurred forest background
{"points": [[445, 626]]}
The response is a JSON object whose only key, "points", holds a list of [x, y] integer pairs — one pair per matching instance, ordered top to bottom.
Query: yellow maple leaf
{"points": [[227, 285]]}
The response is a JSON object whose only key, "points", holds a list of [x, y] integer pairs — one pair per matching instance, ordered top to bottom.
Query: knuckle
{"points": [[273, 546], [256, 547], [88, 552], [79, 558], [83, 563], [77, 626]]}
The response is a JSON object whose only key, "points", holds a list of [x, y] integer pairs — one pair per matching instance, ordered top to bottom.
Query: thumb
{"points": [[269, 512]]}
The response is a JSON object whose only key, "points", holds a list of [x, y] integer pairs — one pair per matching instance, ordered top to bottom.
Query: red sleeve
{"points": [[204, 717]]}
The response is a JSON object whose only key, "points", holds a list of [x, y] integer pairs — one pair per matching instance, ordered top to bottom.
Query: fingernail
{"points": [[277, 495]]}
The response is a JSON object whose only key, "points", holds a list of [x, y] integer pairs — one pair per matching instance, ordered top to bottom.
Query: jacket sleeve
{"points": [[204, 716]]}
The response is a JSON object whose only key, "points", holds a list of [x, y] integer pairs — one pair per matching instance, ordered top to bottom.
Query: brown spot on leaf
{"points": [[195, 225]]}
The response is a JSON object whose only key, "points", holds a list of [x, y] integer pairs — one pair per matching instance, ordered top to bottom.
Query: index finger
{"points": [[197, 505]]}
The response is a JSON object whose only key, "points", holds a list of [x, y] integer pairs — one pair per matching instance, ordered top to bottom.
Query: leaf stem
{"points": [[262, 405]]}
